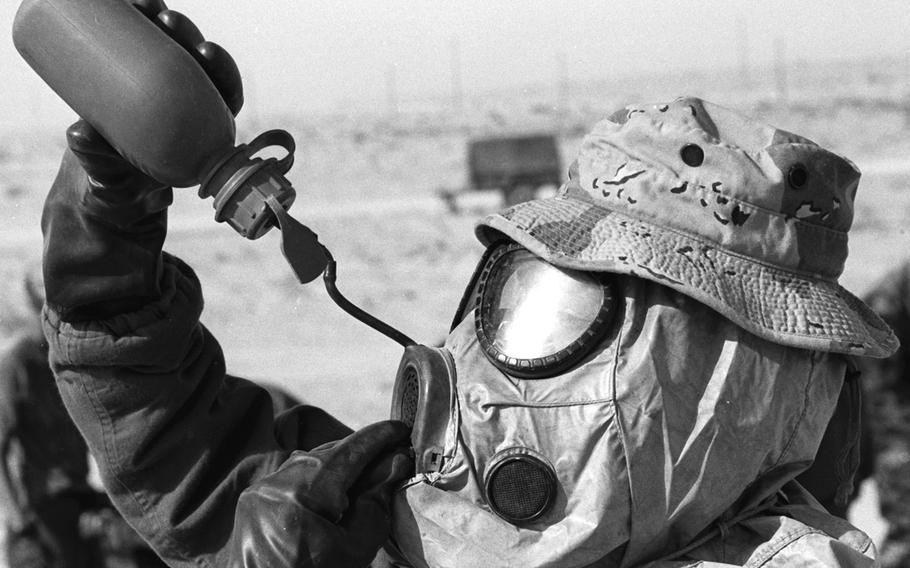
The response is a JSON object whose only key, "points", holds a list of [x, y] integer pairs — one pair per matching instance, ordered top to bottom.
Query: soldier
{"points": [[718, 241], [641, 366], [887, 388], [45, 461], [54, 517]]}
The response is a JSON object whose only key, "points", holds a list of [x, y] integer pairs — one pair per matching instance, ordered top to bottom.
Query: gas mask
{"points": [[580, 419]]}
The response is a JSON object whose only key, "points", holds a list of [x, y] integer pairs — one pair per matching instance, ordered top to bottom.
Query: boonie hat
{"points": [[746, 218]]}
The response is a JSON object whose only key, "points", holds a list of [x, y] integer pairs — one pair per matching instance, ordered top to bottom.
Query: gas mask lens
{"points": [[535, 320]]}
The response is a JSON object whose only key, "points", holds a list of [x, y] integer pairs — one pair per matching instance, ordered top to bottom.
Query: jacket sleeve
{"points": [[177, 440]]}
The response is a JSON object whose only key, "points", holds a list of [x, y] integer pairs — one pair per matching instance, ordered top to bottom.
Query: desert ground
{"points": [[368, 185]]}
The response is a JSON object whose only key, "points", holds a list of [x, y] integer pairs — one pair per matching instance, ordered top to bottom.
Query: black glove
{"points": [[105, 221], [329, 507]]}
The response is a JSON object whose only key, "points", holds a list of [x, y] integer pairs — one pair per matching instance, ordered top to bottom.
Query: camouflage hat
{"points": [[746, 218]]}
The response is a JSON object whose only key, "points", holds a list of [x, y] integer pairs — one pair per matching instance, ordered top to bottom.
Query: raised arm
{"points": [[190, 455]]}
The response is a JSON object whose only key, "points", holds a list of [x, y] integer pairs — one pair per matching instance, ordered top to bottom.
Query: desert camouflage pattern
{"points": [[746, 218]]}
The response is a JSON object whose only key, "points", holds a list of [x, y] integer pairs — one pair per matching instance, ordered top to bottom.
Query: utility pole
{"points": [[742, 44], [780, 70], [391, 84], [457, 88], [562, 89]]}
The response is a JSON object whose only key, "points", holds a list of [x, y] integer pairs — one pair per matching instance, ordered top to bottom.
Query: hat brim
{"points": [[778, 305]]}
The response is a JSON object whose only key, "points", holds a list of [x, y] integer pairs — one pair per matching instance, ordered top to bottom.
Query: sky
{"points": [[299, 56]]}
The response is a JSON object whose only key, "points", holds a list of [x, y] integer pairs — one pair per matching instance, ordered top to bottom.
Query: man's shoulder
{"points": [[787, 536], [798, 543]]}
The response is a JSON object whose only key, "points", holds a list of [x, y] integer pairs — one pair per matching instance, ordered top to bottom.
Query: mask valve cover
{"points": [[519, 485]]}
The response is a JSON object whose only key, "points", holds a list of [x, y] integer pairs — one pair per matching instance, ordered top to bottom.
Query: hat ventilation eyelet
{"points": [[692, 155], [798, 176]]}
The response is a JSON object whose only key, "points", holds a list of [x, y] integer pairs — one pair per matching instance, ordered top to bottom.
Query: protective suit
{"points": [[648, 440]]}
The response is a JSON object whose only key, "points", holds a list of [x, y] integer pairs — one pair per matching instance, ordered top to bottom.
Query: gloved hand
{"points": [[104, 220], [328, 507]]}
